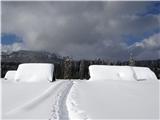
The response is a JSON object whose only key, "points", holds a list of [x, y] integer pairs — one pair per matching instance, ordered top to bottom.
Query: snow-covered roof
{"points": [[34, 72], [109, 72], [144, 73], [10, 75]]}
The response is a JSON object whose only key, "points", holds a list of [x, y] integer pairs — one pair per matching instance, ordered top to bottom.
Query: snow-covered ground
{"points": [[111, 93], [75, 99], [34, 100], [114, 100]]}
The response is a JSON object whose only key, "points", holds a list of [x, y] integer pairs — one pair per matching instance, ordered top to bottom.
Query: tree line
{"points": [[78, 69]]}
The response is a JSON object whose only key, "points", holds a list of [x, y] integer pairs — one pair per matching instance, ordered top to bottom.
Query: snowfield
{"points": [[127, 93], [75, 99], [34, 100], [114, 100]]}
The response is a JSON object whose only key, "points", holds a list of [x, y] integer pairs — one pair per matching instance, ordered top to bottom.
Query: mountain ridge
{"points": [[23, 56]]}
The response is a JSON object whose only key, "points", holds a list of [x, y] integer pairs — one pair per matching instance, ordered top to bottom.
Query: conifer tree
{"points": [[131, 60], [67, 68]]}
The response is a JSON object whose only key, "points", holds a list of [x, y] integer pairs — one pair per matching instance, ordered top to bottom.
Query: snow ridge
{"points": [[59, 109], [74, 112]]}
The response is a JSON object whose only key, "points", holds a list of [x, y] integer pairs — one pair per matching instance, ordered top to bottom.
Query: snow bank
{"points": [[33, 72], [107, 72], [144, 73], [10, 75]]}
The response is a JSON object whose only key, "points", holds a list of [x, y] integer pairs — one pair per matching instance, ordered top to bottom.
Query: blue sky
{"points": [[153, 8], [77, 29], [8, 39], [131, 39]]}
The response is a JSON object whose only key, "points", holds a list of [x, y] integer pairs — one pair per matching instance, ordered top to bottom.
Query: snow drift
{"points": [[33, 72], [10, 75]]}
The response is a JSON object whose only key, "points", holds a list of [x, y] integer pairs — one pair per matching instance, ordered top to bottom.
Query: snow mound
{"points": [[34, 72], [107, 72], [144, 73], [10, 75]]}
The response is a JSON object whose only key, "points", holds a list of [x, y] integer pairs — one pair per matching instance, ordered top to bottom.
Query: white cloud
{"points": [[79, 29], [153, 42], [149, 48]]}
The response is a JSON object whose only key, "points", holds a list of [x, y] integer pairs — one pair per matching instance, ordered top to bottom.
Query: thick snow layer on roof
{"points": [[34, 72], [107, 72], [144, 73], [10, 75]]}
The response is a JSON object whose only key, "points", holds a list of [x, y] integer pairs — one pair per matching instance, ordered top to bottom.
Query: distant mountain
{"points": [[24, 56]]}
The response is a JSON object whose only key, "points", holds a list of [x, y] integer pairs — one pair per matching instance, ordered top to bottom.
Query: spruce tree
{"points": [[131, 60], [67, 68], [81, 69]]}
